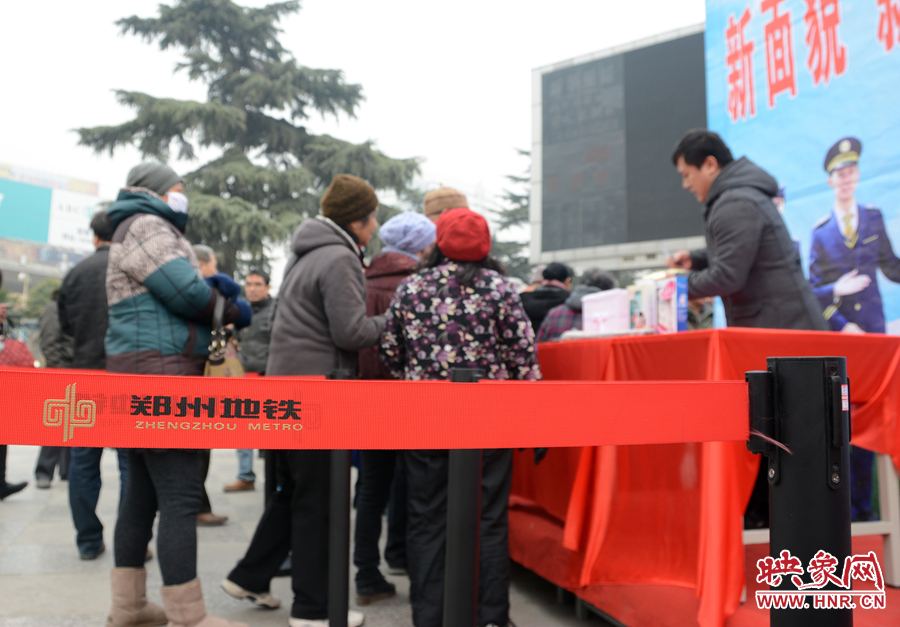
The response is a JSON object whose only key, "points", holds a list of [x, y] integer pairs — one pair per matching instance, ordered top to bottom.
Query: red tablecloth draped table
{"points": [[672, 514]]}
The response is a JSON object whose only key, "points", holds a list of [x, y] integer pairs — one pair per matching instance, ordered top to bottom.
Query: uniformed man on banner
{"points": [[849, 245]]}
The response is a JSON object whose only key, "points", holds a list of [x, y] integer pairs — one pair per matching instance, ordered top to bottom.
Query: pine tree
{"points": [[272, 171], [514, 253], [39, 297]]}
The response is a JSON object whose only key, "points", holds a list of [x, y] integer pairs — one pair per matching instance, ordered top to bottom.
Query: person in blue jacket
{"points": [[849, 245]]}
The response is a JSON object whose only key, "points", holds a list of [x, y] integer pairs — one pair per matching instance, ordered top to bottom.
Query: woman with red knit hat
{"points": [[458, 312]]}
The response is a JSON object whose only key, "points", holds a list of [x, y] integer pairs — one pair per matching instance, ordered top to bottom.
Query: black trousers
{"points": [[203, 457], [49, 458], [2, 464], [376, 478], [167, 481], [295, 520], [427, 535], [395, 549]]}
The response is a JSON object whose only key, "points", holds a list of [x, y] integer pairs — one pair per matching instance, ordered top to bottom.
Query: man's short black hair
{"points": [[698, 144], [102, 227], [556, 271], [260, 273], [596, 277]]}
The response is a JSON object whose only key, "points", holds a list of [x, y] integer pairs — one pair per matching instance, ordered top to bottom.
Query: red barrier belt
{"points": [[80, 408]]}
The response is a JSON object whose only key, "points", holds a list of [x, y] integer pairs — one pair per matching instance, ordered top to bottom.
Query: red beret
{"points": [[463, 235]]}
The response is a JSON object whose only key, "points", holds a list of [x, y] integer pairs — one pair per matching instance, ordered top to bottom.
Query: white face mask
{"points": [[178, 202]]}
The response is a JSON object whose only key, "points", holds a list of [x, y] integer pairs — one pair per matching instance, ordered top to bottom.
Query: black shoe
{"points": [[8, 489], [92, 554], [375, 592]]}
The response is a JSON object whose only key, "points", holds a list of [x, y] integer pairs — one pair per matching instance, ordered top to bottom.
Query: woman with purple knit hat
{"points": [[407, 238]]}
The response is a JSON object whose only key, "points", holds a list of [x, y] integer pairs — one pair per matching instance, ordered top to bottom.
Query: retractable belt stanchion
{"points": [[803, 403], [81, 408], [271, 476], [463, 527], [339, 531]]}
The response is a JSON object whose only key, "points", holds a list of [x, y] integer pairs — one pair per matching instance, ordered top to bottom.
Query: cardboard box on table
{"points": [[672, 300], [642, 306], [606, 312]]}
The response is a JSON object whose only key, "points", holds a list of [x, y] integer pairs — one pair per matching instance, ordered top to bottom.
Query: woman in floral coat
{"points": [[458, 312]]}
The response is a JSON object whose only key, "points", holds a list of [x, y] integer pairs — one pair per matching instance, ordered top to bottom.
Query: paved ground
{"points": [[43, 583]]}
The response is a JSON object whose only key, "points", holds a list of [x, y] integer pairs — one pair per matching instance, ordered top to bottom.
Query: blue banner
{"points": [[810, 91], [24, 211]]}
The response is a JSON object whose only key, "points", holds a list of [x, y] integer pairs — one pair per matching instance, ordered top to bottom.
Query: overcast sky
{"points": [[449, 82]]}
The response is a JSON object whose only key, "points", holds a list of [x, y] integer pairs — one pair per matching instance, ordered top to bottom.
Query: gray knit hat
{"points": [[156, 177]]}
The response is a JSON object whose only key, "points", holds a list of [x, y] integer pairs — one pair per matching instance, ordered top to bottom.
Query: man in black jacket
{"points": [[749, 260], [553, 292], [83, 314], [56, 346], [254, 355]]}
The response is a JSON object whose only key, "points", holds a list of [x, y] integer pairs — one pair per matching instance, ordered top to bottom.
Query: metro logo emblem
{"points": [[68, 414]]}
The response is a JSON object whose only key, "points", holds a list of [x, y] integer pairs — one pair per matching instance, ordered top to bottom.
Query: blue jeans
{"points": [[245, 465], [84, 492]]}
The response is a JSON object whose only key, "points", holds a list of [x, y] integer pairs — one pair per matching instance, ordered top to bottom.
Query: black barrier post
{"points": [[803, 403], [271, 476], [463, 527], [339, 531]]}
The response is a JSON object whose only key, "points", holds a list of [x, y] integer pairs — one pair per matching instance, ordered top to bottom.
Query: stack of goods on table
{"points": [[656, 303]]}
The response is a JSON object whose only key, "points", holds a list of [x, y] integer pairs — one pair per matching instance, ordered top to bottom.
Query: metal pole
{"points": [[271, 476], [809, 488], [463, 527], [339, 531]]}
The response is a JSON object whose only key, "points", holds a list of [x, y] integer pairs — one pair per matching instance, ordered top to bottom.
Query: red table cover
{"points": [[672, 514]]}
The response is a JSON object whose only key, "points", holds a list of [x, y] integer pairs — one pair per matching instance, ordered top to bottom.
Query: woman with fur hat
{"points": [[458, 312], [320, 324]]}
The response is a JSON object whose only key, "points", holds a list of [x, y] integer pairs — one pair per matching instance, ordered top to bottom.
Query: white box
{"points": [[605, 312]]}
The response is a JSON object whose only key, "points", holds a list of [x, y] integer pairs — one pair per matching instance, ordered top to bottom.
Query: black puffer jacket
{"points": [[539, 302]]}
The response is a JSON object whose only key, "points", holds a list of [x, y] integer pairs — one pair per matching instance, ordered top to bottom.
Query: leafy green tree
{"points": [[272, 170], [515, 215], [8, 297], [38, 297]]}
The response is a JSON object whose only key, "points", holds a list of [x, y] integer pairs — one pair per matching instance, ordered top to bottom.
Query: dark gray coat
{"points": [[750, 260], [83, 312], [320, 319], [255, 338], [56, 346]]}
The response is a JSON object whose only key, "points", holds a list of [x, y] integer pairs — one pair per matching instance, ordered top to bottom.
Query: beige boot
{"points": [[130, 607], [185, 607]]}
